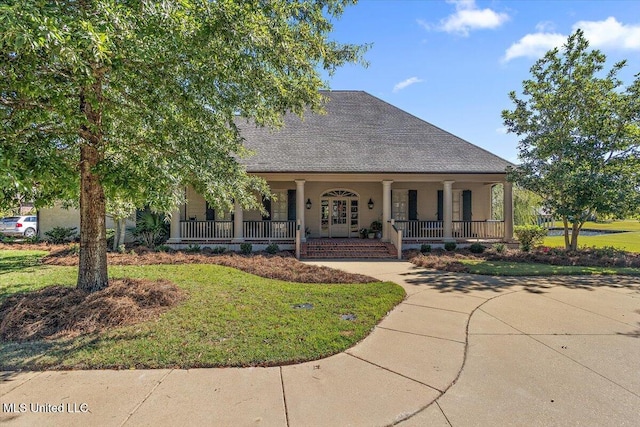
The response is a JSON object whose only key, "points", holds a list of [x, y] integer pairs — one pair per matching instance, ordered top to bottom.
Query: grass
{"points": [[626, 241], [510, 268], [230, 318]]}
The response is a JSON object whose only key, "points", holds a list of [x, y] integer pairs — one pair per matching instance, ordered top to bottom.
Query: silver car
{"points": [[26, 226]]}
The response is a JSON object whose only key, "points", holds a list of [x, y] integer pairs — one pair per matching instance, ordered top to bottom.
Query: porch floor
{"points": [[347, 249]]}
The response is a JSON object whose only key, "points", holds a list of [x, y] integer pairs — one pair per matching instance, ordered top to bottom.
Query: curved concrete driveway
{"points": [[460, 350]]}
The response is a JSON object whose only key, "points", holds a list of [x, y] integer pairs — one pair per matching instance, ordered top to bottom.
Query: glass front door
{"points": [[339, 223]]}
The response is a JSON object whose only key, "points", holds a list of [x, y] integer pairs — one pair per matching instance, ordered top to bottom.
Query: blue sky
{"points": [[453, 63]]}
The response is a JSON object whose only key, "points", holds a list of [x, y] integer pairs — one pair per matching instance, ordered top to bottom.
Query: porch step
{"points": [[347, 249]]}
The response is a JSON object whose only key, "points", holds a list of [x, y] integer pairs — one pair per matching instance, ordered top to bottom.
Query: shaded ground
{"points": [[63, 312]]}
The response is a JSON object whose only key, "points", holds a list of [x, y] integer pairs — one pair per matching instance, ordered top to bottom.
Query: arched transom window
{"points": [[339, 193]]}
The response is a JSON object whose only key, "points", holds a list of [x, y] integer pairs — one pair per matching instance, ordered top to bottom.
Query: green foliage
{"points": [[147, 97], [580, 146], [526, 204], [375, 226], [151, 229], [59, 235], [110, 236], [529, 236], [33, 239], [450, 246], [499, 247], [122, 248], [163, 248], [246, 248], [273, 248], [425, 248], [476, 248], [74, 249], [193, 249], [218, 250]]}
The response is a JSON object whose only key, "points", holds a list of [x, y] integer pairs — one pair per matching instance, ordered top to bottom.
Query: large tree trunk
{"points": [[92, 274]]}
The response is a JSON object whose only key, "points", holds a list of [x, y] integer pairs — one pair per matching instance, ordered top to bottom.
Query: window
{"points": [[399, 205], [279, 206]]}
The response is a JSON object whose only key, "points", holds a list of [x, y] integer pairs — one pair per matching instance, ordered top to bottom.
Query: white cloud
{"points": [[468, 17], [545, 27], [609, 34], [534, 45], [403, 84], [502, 130]]}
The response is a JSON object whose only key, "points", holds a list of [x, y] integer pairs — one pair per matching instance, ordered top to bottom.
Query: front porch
{"points": [[411, 209]]}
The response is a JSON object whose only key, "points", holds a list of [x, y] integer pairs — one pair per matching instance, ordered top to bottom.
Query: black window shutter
{"points": [[266, 204], [440, 204], [291, 205], [413, 205], [466, 205], [210, 213]]}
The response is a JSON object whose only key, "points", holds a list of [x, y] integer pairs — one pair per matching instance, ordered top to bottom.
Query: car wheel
{"points": [[29, 232]]}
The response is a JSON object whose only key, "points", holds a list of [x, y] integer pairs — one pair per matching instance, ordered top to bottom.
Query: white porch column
{"points": [[300, 201], [447, 208], [386, 209], [508, 211], [238, 223], [174, 231]]}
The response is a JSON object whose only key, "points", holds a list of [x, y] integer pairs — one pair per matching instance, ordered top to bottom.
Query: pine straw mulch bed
{"points": [[591, 257], [281, 266], [63, 312]]}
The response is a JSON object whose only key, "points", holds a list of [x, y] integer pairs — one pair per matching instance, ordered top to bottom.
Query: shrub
{"points": [[150, 230], [111, 233], [59, 235], [529, 236], [7, 239], [33, 239], [450, 246], [499, 247], [122, 248], [163, 248], [246, 248], [425, 248], [476, 248], [74, 249], [193, 249], [272, 249], [219, 250]]}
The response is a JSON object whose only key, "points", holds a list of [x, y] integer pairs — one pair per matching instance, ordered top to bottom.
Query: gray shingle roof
{"points": [[361, 133]]}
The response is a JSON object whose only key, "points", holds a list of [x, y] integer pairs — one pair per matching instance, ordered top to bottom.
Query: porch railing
{"points": [[420, 229], [478, 229], [206, 230], [269, 230], [434, 230]]}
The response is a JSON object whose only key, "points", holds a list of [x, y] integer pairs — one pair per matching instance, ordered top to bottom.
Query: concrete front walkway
{"points": [[460, 350]]}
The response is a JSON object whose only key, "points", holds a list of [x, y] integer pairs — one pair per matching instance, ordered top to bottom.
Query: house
{"points": [[363, 161]]}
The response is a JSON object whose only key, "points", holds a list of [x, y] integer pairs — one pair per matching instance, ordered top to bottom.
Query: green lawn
{"points": [[629, 241], [508, 268], [230, 318]]}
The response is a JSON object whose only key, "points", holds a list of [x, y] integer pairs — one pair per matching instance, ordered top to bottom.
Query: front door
{"points": [[339, 218]]}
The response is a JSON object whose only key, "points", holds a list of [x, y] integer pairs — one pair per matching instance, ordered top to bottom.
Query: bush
{"points": [[150, 230], [111, 234], [59, 235], [529, 236], [7, 239], [33, 239], [450, 246], [499, 247], [122, 248], [163, 248], [246, 248], [425, 248], [476, 248], [74, 249], [193, 249], [272, 249], [218, 250]]}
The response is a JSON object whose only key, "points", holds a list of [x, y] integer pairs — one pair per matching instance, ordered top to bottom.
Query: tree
{"points": [[140, 97], [580, 146], [526, 205]]}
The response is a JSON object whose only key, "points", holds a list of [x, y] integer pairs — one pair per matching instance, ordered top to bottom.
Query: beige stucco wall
{"points": [[57, 216]]}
